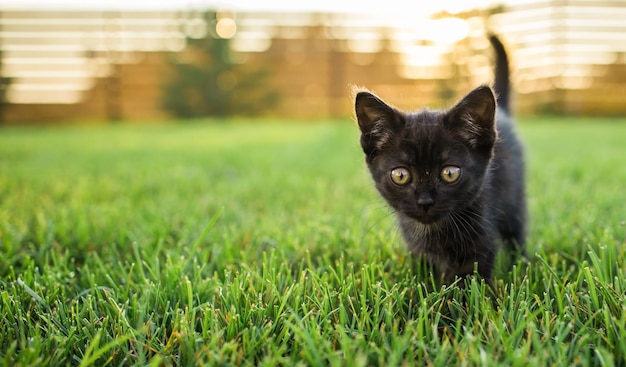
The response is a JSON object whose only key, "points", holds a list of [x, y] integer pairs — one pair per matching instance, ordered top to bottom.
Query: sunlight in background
{"points": [[418, 8], [226, 28], [576, 44], [57, 58], [424, 61], [59, 66], [73, 72]]}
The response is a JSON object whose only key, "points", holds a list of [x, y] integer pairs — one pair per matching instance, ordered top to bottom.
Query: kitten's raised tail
{"points": [[502, 83]]}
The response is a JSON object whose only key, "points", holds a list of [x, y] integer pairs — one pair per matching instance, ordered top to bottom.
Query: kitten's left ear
{"points": [[473, 118], [378, 122]]}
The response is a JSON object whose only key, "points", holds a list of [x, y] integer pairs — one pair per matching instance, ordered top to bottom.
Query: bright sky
{"points": [[419, 7]]}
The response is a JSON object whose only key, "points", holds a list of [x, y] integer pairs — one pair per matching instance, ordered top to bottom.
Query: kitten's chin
{"points": [[425, 219], [428, 221]]}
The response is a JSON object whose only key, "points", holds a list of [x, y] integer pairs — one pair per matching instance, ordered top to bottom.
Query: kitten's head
{"points": [[428, 165]]}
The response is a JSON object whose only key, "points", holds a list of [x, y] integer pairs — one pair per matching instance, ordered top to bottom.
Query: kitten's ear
{"points": [[472, 119], [377, 120]]}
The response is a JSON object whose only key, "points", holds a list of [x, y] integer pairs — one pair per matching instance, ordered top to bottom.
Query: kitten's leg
{"points": [[513, 234], [515, 243], [515, 249], [485, 262]]}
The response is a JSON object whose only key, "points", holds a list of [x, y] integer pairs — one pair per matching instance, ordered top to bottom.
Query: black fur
{"points": [[502, 82], [457, 224]]}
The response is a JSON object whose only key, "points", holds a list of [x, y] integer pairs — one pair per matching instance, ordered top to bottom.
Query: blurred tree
{"points": [[207, 81], [4, 86]]}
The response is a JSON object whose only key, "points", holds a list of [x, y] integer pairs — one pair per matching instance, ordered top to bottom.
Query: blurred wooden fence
{"points": [[568, 57], [71, 65]]}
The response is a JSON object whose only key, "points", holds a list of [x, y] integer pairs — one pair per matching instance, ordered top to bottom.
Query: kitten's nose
{"points": [[425, 201]]}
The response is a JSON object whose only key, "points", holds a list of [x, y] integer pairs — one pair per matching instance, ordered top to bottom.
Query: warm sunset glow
{"points": [[226, 28], [446, 30], [251, 41], [58, 57], [423, 62]]}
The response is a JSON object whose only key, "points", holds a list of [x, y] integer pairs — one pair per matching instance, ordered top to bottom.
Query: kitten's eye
{"points": [[450, 174], [400, 176]]}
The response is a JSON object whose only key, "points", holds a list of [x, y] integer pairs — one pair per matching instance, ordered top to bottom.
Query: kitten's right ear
{"points": [[377, 120]]}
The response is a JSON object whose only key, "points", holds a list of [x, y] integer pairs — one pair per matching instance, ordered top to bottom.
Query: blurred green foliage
{"points": [[207, 81], [4, 86]]}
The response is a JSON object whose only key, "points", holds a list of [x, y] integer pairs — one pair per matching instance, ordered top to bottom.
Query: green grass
{"points": [[256, 243]]}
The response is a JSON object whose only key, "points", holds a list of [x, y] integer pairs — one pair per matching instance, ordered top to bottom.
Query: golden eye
{"points": [[450, 174], [400, 176]]}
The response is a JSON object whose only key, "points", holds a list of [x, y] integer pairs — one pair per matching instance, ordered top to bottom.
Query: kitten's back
{"points": [[508, 194]]}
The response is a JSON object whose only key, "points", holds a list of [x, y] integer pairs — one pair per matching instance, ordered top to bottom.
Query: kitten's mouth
{"points": [[424, 218], [427, 219]]}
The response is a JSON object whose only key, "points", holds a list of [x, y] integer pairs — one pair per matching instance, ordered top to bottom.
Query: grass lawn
{"points": [[257, 243]]}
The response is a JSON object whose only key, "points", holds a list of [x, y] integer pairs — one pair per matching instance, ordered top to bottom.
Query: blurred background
{"points": [[64, 61]]}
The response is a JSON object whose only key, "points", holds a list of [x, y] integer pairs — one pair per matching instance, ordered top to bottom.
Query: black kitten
{"points": [[455, 178]]}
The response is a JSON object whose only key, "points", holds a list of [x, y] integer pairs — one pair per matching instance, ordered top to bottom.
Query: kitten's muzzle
{"points": [[425, 201], [424, 210]]}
